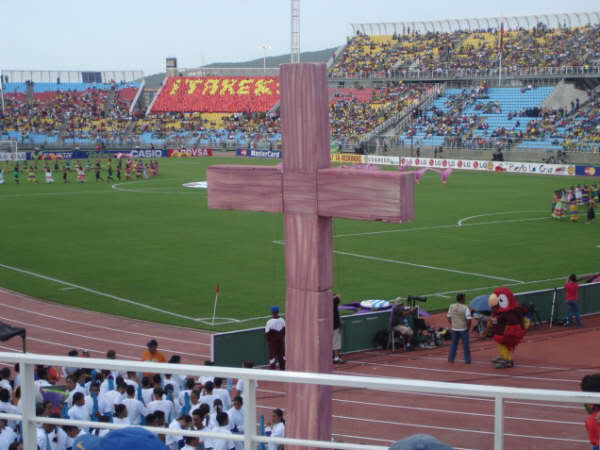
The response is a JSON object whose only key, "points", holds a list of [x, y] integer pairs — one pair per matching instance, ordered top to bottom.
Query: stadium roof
{"points": [[482, 23]]}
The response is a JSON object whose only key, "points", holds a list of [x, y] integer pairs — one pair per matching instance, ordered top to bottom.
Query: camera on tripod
{"points": [[416, 298]]}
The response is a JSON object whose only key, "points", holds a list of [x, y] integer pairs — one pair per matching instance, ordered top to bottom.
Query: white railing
{"points": [[28, 361]]}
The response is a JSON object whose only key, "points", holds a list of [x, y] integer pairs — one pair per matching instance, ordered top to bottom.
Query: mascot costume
{"points": [[508, 325]]}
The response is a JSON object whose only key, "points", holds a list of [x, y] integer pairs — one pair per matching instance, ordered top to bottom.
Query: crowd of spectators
{"points": [[470, 51], [350, 118], [450, 122], [577, 128], [129, 398]]}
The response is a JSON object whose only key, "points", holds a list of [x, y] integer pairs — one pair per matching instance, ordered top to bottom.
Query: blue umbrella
{"points": [[480, 303]]}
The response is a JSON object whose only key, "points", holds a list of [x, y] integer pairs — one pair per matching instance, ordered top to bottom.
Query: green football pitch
{"points": [[152, 250]]}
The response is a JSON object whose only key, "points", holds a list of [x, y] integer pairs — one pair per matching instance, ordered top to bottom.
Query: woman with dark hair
{"points": [[571, 287], [223, 428], [277, 428]]}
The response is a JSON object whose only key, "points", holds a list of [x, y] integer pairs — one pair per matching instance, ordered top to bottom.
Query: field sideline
{"points": [[152, 250]]}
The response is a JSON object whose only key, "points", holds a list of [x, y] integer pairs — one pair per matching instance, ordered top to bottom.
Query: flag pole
{"points": [[217, 290]]}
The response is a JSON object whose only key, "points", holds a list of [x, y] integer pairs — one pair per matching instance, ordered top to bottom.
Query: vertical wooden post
{"points": [[308, 247]]}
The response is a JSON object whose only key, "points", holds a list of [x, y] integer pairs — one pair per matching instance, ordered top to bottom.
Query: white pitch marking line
{"points": [[464, 219], [437, 227], [423, 266], [68, 288], [94, 291], [91, 325]]}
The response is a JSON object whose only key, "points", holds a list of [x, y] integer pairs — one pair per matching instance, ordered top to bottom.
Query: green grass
{"points": [[156, 243]]}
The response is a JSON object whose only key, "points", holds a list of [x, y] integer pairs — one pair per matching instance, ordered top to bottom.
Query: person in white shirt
{"points": [[275, 336], [5, 379], [204, 379], [131, 380], [40, 383], [190, 383], [239, 386], [72, 387], [94, 390], [147, 391], [222, 393], [208, 397], [109, 399], [158, 403], [7, 407], [135, 408], [79, 410], [121, 415], [236, 420], [181, 423], [277, 427], [223, 428], [72, 434], [7, 435], [51, 437], [191, 443]]}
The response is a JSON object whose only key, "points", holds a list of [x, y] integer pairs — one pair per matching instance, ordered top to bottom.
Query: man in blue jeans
{"points": [[459, 318]]}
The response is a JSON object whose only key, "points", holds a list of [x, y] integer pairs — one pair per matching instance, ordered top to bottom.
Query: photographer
{"points": [[400, 323]]}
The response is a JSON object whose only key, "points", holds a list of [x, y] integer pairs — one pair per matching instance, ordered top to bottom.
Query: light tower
{"points": [[295, 46]]}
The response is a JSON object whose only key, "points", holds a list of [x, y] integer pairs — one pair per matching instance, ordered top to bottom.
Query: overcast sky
{"points": [[134, 34]]}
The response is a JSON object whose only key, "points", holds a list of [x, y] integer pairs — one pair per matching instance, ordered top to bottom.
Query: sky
{"points": [[139, 35]]}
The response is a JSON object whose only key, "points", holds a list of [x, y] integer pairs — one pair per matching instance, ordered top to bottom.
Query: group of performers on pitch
{"points": [[141, 169], [568, 202]]}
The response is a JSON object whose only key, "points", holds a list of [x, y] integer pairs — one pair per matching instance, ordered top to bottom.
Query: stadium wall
{"points": [[358, 331]]}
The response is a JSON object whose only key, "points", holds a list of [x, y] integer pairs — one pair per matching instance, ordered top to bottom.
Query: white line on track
{"points": [[438, 227], [423, 266], [101, 327], [93, 338], [527, 366], [461, 372], [448, 411]]}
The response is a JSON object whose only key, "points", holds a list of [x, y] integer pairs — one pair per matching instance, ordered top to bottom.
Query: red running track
{"points": [[548, 358]]}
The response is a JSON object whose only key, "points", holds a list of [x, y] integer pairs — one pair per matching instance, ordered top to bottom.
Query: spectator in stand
{"points": [[571, 287]]}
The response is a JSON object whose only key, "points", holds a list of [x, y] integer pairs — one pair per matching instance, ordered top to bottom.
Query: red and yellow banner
{"points": [[218, 94]]}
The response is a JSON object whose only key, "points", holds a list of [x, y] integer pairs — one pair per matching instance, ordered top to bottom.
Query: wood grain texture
{"points": [[304, 116], [247, 188], [300, 191], [366, 195], [308, 252], [308, 348]]}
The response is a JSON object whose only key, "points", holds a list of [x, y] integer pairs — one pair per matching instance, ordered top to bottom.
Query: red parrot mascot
{"points": [[508, 325]]}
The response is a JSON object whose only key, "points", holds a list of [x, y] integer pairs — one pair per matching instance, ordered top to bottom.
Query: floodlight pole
{"points": [[295, 32], [265, 47], [2, 90]]}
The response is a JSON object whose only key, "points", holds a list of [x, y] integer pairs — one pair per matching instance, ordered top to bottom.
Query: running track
{"points": [[549, 358]]}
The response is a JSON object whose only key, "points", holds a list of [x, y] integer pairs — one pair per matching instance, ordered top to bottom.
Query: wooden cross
{"points": [[310, 193]]}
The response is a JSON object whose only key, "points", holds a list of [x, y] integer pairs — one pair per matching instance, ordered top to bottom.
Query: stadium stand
{"points": [[523, 49], [217, 94]]}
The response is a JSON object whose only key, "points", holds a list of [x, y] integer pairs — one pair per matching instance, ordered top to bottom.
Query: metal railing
{"points": [[441, 74], [28, 418]]}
